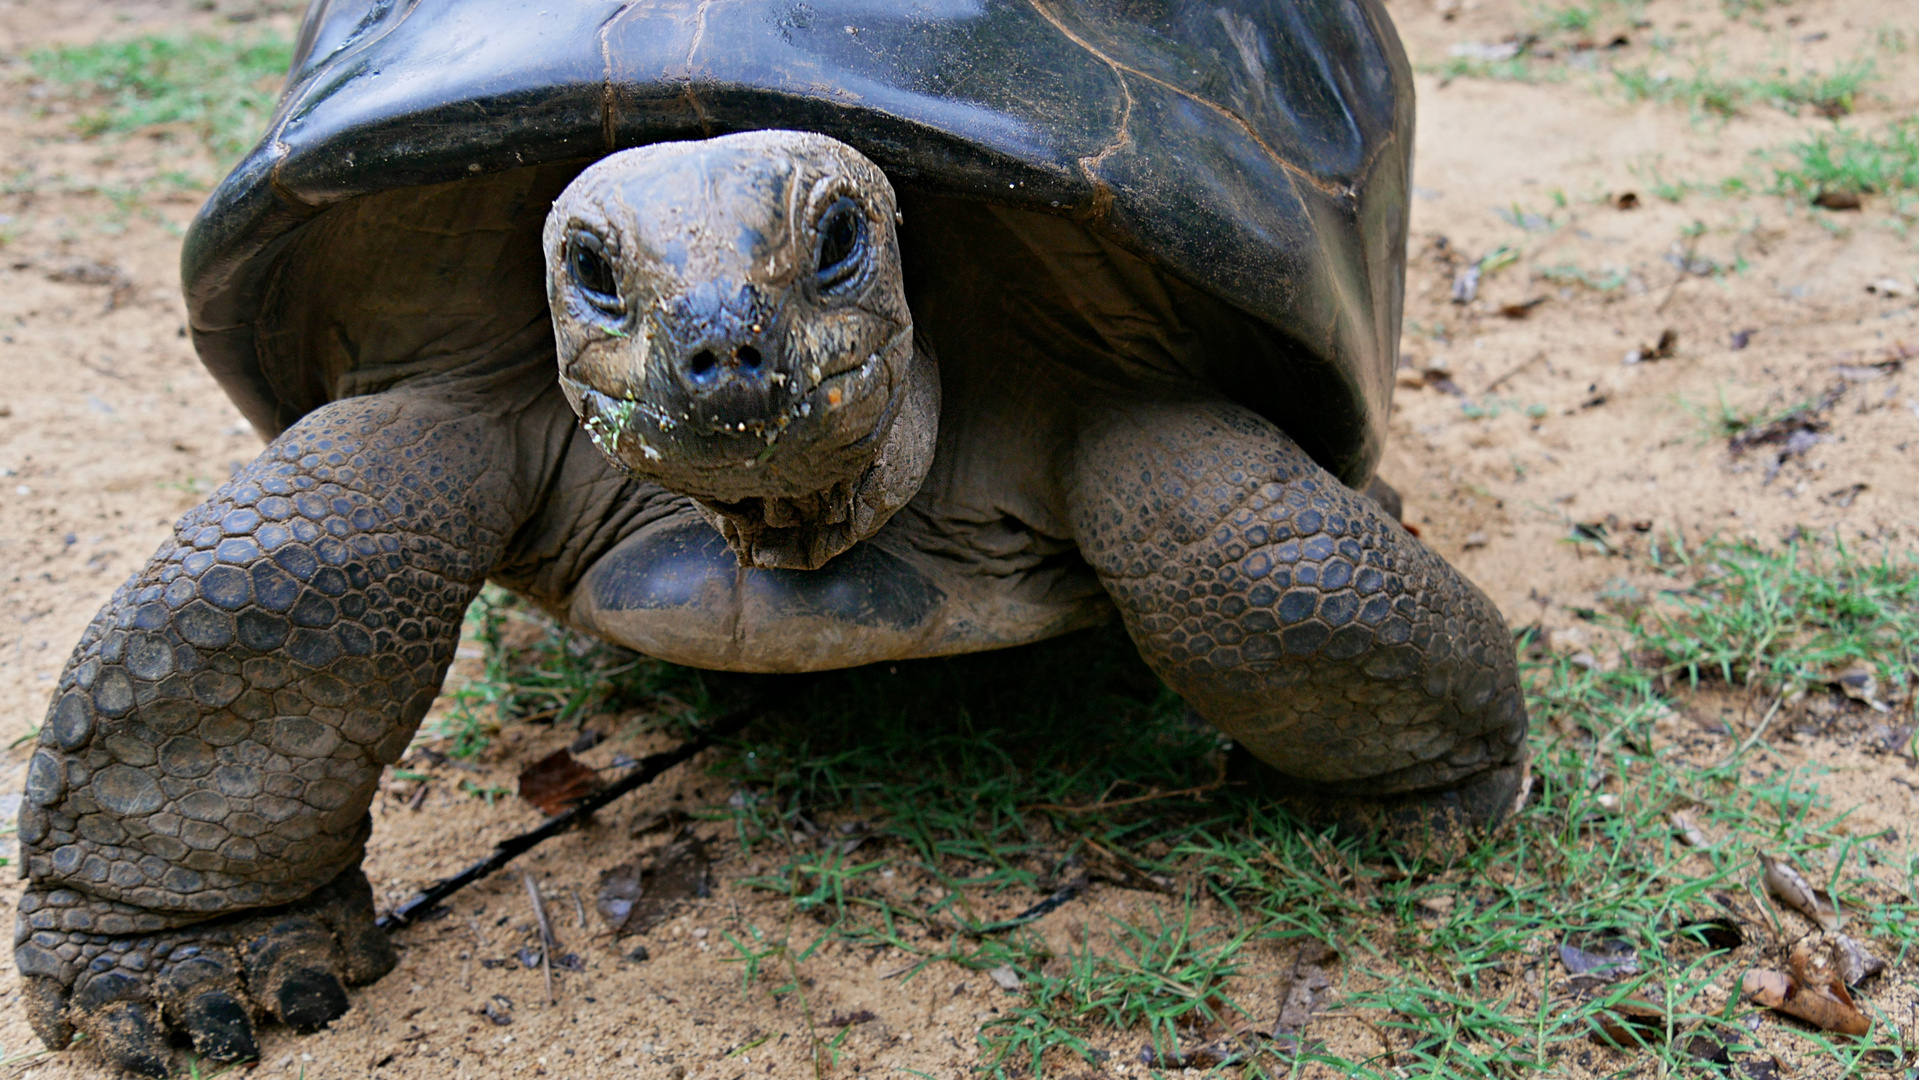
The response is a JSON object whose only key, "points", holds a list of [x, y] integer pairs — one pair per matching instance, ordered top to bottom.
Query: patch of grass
{"points": [[1520, 69], [221, 89], [1704, 92], [1854, 161], [1604, 280], [1783, 619], [538, 672], [921, 807]]}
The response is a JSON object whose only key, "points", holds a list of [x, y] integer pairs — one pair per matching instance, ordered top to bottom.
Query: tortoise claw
{"points": [[309, 999], [218, 1024], [131, 1036]]}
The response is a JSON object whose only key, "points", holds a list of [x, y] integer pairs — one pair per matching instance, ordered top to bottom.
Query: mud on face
{"points": [[731, 324]]}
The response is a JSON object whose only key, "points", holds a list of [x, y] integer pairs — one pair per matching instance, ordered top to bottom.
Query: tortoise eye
{"points": [[842, 233], [587, 262]]}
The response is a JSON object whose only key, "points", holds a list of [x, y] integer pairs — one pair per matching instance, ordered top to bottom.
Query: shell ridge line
{"points": [[692, 51], [609, 97], [1245, 128]]}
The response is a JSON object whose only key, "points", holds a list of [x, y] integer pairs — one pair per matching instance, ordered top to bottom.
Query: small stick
{"points": [[1510, 372], [1756, 732], [648, 769], [579, 909], [546, 935]]}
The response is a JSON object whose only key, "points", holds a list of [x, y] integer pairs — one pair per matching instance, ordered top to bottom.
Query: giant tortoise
{"points": [[766, 336]]}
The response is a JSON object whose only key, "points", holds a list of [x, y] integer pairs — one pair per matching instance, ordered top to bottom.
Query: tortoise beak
{"points": [[725, 346]]}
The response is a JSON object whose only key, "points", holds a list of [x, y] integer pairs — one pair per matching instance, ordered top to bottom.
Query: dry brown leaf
{"points": [[1858, 682], [556, 782], [1688, 829], [1791, 888], [635, 897], [1854, 964], [1308, 981], [1810, 993], [1629, 1023]]}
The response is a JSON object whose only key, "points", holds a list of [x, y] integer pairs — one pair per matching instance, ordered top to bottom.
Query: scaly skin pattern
{"points": [[1287, 609], [219, 732]]}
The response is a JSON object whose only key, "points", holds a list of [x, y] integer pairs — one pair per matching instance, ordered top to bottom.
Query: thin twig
{"points": [[1510, 372], [1756, 732], [645, 771], [1108, 804], [546, 935]]}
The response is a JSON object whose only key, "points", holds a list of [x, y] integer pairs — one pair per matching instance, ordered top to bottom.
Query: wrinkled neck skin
{"points": [[732, 325]]}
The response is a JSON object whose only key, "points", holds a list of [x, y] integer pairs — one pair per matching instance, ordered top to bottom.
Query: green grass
{"points": [[223, 90], [1704, 92], [1846, 159], [1783, 619], [548, 675], [983, 784]]}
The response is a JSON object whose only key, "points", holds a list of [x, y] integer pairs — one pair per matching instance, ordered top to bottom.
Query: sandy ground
{"points": [[109, 429]]}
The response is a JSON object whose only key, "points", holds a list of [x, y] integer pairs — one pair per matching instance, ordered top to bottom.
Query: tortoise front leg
{"points": [[1294, 615], [197, 809]]}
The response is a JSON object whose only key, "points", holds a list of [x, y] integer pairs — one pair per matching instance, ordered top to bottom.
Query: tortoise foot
{"points": [[1417, 824], [211, 982]]}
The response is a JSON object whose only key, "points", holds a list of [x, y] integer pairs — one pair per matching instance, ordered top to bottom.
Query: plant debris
{"points": [[1521, 309], [1663, 348], [1860, 683], [557, 781], [1790, 887], [638, 895], [1597, 960], [1853, 963], [1308, 980], [1812, 992], [1629, 1022]]}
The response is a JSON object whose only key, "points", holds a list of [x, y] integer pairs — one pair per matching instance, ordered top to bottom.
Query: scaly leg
{"points": [[1295, 616], [197, 809]]}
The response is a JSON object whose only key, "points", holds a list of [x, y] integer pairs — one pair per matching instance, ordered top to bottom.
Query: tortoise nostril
{"points": [[748, 356], [702, 363]]}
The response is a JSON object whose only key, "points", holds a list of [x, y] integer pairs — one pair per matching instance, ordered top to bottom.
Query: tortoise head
{"points": [[732, 325]]}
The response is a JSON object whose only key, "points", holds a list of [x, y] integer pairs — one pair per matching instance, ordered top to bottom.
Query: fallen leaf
{"points": [[1837, 200], [1522, 309], [1858, 681], [556, 782], [1688, 829], [1791, 888], [638, 895], [1599, 958], [1855, 965], [1005, 977], [1308, 980], [1816, 997], [861, 1016], [1629, 1023]]}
